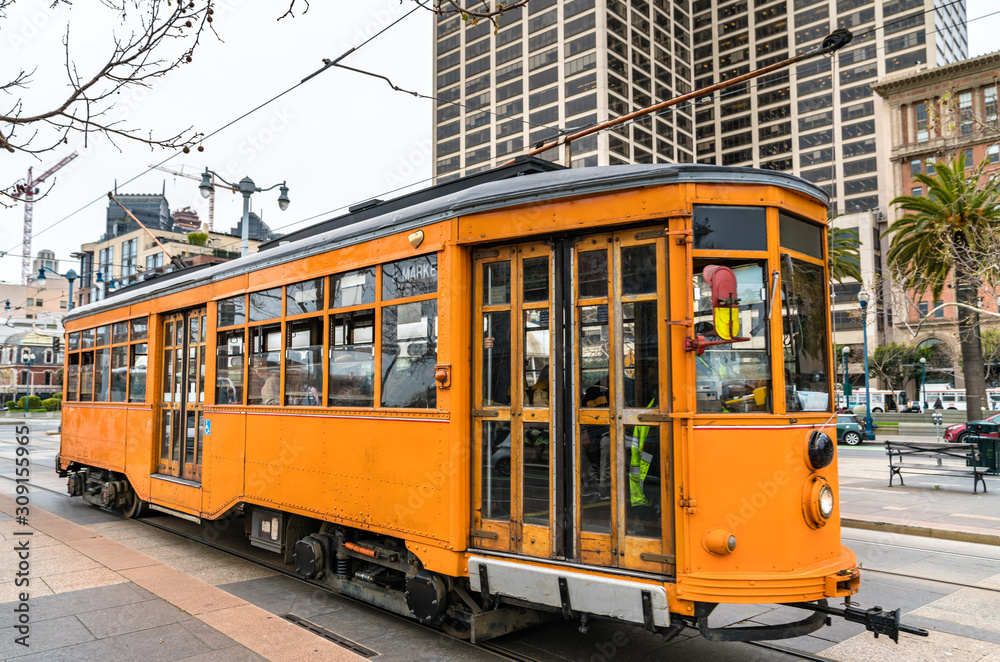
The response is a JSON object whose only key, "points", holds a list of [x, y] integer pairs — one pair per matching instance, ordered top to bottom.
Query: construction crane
{"points": [[30, 191], [211, 198]]}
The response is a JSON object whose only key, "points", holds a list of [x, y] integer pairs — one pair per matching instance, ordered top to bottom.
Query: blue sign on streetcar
{"points": [[208, 428]]}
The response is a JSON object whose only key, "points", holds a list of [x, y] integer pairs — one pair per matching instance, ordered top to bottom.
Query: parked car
{"points": [[913, 407], [850, 430], [958, 433]]}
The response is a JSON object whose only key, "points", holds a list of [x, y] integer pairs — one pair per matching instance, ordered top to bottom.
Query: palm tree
{"points": [[952, 232], [845, 258]]}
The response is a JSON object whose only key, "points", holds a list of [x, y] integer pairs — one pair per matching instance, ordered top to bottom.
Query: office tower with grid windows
{"points": [[562, 64], [559, 65], [817, 119]]}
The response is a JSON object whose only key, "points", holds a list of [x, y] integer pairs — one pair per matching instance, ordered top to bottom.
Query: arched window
{"points": [[48, 356], [940, 364], [48, 378]]}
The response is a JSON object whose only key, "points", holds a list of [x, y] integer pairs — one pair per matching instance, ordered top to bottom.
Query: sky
{"points": [[336, 140]]}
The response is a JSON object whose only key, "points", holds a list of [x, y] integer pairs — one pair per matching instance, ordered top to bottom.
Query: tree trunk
{"points": [[966, 291]]}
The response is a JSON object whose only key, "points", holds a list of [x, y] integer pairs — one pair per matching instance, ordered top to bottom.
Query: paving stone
{"points": [[79, 602], [131, 618], [208, 635], [44, 636], [162, 644]]}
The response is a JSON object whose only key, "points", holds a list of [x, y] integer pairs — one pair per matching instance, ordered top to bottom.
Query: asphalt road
{"points": [[948, 587]]}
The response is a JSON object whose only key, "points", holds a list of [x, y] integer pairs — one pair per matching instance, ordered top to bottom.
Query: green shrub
{"points": [[34, 402], [52, 404]]}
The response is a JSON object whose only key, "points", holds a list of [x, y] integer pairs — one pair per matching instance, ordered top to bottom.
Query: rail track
{"points": [[490, 647]]}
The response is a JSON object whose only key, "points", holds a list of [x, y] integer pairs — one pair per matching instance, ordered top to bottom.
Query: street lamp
{"points": [[247, 188], [69, 275], [863, 298], [845, 351], [28, 359], [923, 383]]}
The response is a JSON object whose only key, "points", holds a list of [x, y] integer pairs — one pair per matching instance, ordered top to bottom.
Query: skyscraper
{"points": [[561, 64]]}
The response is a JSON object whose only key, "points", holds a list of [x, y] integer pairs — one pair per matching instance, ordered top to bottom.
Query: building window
{"points": [[990, 105], [920, 114], [966, 120], [993, 153], [968, 158], [914, 167], [917, 191], [129, 253], [31, 302], [922, 308], [938, 312]]}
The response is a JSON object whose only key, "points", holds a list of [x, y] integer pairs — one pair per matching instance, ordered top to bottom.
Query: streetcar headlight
{"points": [[819, 450], [817, 502], [825, 502], [719, 542]]}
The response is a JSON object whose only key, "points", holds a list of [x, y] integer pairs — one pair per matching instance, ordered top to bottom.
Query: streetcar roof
{"points": [[493, 195]]}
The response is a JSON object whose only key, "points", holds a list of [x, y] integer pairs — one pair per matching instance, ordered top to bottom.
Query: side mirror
{"points": [[725, 303]]}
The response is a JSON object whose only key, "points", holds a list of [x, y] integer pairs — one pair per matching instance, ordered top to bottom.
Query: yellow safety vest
{"points": [[639, 464]]}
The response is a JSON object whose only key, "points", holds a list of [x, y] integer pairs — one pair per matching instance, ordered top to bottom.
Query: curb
{"points": [[924, 531]]}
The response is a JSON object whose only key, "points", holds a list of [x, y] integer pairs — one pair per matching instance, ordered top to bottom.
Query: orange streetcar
{"points": [[599, 392]]}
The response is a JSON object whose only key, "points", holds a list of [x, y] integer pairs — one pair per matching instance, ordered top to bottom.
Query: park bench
{"points": [[949, 460]]}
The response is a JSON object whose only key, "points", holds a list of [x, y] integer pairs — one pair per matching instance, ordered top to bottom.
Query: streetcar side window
{"points": [[265, 305], [232, 311], [409, 334], [352, 358], [304, 361], [229, 367], [137, 372], [102, 374], [86, 376], [73, 378], [734, 378], [264, 386]]}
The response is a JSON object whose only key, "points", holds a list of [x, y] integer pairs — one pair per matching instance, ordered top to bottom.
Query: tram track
{"points": [[491, 647]]}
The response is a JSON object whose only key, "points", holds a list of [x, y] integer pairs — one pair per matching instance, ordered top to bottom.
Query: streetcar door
{"points": [[618, 385], [183, 395], [513, 401]]}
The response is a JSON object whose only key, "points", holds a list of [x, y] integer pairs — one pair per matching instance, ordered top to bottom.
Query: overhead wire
{"points": [[328, 64], [740, 90], [219, 129]]}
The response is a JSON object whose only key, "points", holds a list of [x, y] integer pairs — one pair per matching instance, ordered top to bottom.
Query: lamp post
{"points": [[247, 188], [69, 275], [863, 298], [845, 350], [28, 359], [923, 383]]}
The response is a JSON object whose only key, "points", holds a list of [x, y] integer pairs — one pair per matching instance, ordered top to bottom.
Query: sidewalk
{"points": [[936, 506], [91, 598]]}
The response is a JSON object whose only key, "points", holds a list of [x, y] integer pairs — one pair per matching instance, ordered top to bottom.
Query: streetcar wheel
{"points": [[876, 410], [852, 438], [135, 508], [456, 629]]}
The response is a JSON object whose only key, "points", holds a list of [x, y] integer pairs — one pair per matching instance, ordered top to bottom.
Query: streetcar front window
{"points": [[804, 296], [734, 378]]}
